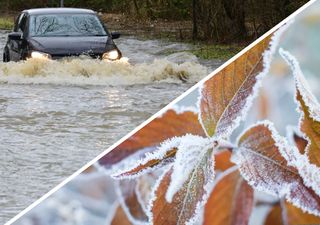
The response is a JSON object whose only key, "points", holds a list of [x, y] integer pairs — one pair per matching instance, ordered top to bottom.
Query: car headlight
{"points": [[40, 55], [112, 55]]}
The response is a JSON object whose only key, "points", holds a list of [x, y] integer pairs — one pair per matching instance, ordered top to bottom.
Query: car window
{"points": [[66, 25]]}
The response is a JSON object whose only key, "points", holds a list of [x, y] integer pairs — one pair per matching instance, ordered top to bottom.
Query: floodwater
{"points": [[57, 115]]}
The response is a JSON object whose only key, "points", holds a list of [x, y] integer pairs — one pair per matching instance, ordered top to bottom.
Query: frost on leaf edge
{"points": [[267, 57], [302, 87], [283, 147], [158, 154], [309, 172], [178, 179], [125, 207], [197, 215]]}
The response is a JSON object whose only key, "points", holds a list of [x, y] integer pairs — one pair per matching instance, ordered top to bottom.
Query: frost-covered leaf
{"points": [[227, 96], [309, 108], [170, 124], [311, 127], [187, 147], [191, 156], [160, 157], [223, 160], [307, 162], [261, 163], [309, 172], [144, 188], [188, 200], [130, 202], [230, 202], [287, 214], [295, 215], [120, 218]]}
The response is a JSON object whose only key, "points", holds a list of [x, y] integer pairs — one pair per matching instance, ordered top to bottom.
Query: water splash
{"points": [[85, 71]]}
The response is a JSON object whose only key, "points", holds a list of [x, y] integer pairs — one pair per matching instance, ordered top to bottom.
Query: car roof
{"points": [[41, 11]]}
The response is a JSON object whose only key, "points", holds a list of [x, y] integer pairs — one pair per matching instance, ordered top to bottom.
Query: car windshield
{"points": [[66, 25]]}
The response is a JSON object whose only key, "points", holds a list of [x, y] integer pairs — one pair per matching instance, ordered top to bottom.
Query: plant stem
{"points": [[221, 144]]}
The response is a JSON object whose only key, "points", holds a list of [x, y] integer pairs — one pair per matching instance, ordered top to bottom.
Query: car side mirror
{"points": [[115, 35], [17, 36]]}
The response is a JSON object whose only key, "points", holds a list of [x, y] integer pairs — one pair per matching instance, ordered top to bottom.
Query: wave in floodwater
{"points": [[84, 71]]}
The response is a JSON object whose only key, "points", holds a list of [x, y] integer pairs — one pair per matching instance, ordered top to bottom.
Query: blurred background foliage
{"points": [[217, 21]]}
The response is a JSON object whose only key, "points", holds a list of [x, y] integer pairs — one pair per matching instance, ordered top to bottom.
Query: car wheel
{"points": [[6, 57]]}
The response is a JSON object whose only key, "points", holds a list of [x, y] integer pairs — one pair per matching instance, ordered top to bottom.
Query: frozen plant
{"points": [[190, 172]]}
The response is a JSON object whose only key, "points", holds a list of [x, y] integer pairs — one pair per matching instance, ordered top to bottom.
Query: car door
{"points": [[16, 45]]}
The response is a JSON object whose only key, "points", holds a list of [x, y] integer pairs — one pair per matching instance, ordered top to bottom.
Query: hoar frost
{"points": [[302, 85], [226, 124], [190, 152], [158, 154], [266, 171], [309, 172]]}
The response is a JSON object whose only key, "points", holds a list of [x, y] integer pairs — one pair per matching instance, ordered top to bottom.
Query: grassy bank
{"points": [[6, 23], [176, 31], [212, 51]]}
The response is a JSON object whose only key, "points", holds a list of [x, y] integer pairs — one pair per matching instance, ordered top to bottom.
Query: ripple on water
{"points": [[82, 106]]}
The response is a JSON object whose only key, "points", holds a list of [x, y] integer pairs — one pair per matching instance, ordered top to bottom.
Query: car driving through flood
{"points": [[54, 33]]}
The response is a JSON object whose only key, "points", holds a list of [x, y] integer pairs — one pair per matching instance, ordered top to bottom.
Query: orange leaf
{"points": [[227, 95], [310, 110], [170, 124], [311, 127], [300, 142], [165, 154], [223, 160], [308, 164], [145, 165], [262, 165], [144, 188], [129, 200], [230, 202], [184, 203], [291, 214], [275, 216], [297, 216], [120, 218]]}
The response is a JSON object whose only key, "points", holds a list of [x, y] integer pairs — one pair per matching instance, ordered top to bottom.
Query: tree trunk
{"points": [[7, 6], [136, 7], [194, 20], [221, 21]]}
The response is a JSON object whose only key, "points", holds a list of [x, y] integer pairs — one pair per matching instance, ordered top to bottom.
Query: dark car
{"points": [[53, 33]]}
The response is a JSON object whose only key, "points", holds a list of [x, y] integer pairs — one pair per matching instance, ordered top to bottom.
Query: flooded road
{"points": [[57, 115]]}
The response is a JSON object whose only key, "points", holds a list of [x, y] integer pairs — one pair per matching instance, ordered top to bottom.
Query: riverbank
{"points": [[6, 23], [145, 29], [180, 31]]}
